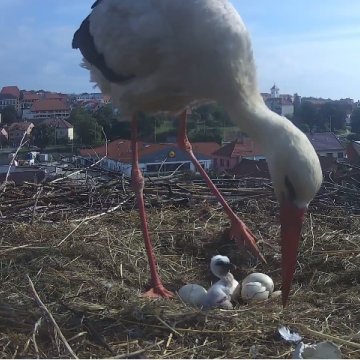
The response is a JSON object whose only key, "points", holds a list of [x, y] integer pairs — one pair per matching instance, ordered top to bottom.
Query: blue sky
{"points": [[309, 47]]}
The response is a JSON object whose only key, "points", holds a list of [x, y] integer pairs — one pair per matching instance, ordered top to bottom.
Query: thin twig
{"points": [[22, 143], [35, 204], [109, 211], [71, 232], [48, 313], [328, 337], [138, 352]]}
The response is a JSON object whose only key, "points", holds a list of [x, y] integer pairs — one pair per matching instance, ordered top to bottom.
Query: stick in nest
{"points": [[22, 143], [48, 313], [138, 352]]}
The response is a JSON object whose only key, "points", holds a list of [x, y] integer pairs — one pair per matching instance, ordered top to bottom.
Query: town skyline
{"points": [[312, 53]]}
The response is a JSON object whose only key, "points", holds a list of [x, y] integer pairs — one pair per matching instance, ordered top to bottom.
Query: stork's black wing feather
{"points": [[97, 2], [84, 41]]}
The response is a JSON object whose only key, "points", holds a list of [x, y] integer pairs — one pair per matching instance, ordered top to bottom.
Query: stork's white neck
{"points": [[258, 121], [288, 151]]}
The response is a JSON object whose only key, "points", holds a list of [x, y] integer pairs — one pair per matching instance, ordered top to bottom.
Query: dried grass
{"points": [[88, 276]]}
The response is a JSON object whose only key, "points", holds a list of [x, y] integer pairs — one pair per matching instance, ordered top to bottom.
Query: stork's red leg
{"points": [[239, 231], [158, 290]]}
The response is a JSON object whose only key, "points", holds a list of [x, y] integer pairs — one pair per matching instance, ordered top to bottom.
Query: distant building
{"points": [[11, 90], [10, 96], [54, 96], [91, 96], [28, 98], [9, 100], [282, 104], [48, 108], [63, 129], [16, 132], [4, 136], [327, 144], [353, 152], [232, 154], [153, 158]]}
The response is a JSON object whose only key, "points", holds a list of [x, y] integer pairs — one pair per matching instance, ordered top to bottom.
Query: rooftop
{"points": [[13, 90], [30, 96], [49, 105], [57, 123], [23, 126], [325, 141], [244, 147], [121, 150]]}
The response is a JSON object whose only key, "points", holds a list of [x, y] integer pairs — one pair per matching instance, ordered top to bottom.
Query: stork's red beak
{"points": [[291, 218]]}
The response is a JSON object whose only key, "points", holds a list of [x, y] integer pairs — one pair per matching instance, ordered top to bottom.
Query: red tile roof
{"points": [[13, 90], [50, 95], [30, 96], [49, 105], [57, 123], [23, 126], [205, 148], [239, 148], [121, 149]]}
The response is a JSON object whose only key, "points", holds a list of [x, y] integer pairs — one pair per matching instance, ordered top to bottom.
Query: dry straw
{"points": [[87, 266]]}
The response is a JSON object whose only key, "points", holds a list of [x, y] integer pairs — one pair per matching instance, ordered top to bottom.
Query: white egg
{"points": [[257, 286], [192, 294]]}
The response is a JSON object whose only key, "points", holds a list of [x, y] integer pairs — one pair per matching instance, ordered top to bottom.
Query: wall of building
{"points": [[340, 155]]}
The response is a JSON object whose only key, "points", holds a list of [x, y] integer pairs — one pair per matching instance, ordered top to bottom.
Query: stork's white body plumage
{"points": [[157, 40], [172, 49], [162, 55]]}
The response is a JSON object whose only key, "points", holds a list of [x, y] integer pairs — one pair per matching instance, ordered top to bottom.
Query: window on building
{"points": [[329, 154], [340, 155], [221, 162], [228, 163]]}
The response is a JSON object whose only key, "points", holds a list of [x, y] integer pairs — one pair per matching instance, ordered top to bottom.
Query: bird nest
{"points": [[73, 270]]}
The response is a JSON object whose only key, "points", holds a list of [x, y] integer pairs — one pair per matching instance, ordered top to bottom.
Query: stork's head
{"points": [[296, 174], [220, 265]]}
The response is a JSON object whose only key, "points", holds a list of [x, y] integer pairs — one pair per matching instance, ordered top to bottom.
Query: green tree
{"points": [[8, 115], [307, 115], [332, 116], [105, 118], [355, 121], [87, 130], [43, 136], [199, 136]]}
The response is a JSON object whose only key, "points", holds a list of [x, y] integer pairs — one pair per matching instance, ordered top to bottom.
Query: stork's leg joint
{"points": [[137, 178]]}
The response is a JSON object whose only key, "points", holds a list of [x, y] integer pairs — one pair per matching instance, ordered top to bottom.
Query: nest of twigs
{"points": [[72, 273]]}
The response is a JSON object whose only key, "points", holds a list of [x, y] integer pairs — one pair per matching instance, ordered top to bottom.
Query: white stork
{"points": [[165, 55]]}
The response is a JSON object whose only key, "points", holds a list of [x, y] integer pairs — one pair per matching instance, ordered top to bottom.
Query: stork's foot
{"points": [[244, 238], [157, 292]]}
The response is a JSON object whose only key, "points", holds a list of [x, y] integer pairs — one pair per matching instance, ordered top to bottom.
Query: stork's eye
{"points": [[290, 189]]}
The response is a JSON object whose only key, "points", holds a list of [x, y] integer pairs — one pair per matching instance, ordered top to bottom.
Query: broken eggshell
{"points": [[322, 350]]}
